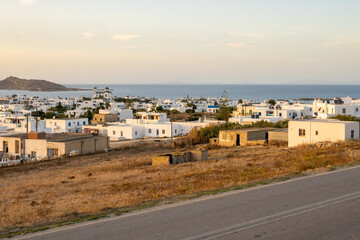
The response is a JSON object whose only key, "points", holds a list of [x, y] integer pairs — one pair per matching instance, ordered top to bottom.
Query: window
{"points": [[310, 109], [357, 109], [344, 110], [280, 114], [84, 123], [69, 124], [149, 131], [163, 131], [175, 131], [114, 132], [135, 132], [301, 132], [121, 133], [316, 133], [352, 134], [17, 145], [52, 152], [33, 154]]}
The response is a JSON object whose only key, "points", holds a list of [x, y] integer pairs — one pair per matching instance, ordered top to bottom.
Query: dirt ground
{"points": [[39, 193]]}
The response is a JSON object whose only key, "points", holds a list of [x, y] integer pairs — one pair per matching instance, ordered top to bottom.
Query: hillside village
{"points": [[33, 128]]}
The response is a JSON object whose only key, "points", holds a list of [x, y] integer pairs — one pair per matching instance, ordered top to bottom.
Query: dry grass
{"points": [[39, 193]]}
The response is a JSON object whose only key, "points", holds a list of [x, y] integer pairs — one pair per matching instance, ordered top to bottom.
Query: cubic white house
{"points": [[61, 125], [316, 130]]}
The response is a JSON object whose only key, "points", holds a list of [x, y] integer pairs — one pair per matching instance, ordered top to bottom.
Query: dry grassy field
{"points": [[40, 193]]}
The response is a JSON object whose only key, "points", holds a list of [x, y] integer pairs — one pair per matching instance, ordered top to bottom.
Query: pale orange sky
{"points": [[205, 41]]}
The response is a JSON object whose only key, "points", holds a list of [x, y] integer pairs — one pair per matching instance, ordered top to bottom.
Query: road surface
{"points": [[323, 206]]}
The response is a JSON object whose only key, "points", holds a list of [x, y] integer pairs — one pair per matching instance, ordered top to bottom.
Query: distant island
{"points": [[15, 83]]}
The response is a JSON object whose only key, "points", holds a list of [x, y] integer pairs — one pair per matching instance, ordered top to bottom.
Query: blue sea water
{"points": [[255, 92]]}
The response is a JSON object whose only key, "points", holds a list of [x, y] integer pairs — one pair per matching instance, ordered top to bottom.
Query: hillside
{"points": [[14, 83], [67, 190]]}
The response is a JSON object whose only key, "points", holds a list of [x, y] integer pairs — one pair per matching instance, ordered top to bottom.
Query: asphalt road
{"points": [[323, 206]]}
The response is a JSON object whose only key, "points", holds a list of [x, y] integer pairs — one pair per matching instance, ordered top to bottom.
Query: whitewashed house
{"points": [[324, 109], [60, 125], [321, 130], [125, 131]]}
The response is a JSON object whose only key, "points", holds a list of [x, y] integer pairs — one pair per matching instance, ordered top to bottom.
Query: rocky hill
{"points": [[14, 83]]}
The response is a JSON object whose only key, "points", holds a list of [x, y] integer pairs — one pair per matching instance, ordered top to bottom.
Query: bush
{"points": [[346, 118], [202, 135]]}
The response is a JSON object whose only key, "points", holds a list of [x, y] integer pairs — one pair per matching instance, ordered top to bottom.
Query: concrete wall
{"points": [[104, 118], [321, 131], [281, 136], [228, 138], [82, 145], [87, 145], [37, 146], [13, 148], [199, 155], [161, 160]]}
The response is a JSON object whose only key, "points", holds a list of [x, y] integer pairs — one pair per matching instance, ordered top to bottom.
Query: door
{"points": [[237, 139], [5, 146]]}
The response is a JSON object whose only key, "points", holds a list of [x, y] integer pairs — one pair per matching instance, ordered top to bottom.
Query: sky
{"points": [[181, 41]]}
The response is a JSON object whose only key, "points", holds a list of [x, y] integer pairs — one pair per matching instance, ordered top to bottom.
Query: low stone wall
{"points": [[256, 142], [200, 155], [178, 158], [161, 160]]}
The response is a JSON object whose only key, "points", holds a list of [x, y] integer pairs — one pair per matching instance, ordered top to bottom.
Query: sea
{"points": [[234, 92]]}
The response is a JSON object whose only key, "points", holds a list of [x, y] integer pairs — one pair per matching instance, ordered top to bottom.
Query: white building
{"points": [[102, 93], [324, 109], [122, 114], [152, 117], [254, 119], [60, 125], [316, 130], [125, 131]]}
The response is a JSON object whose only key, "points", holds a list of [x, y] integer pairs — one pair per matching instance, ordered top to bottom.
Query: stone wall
{"points": [[178, 158]]}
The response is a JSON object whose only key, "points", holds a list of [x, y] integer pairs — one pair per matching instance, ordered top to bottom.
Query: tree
{"points": [[240, 101], [272, 102], [107, 105], [59, 108], [159, 109], [189, 111], [224, 111]]}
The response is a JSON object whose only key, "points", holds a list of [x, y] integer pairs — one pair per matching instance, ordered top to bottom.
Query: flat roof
{"points": [[65, 118], [323, 121], [248, 130], [14, 134], [64, 137]]}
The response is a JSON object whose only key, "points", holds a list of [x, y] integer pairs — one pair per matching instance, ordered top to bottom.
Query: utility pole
{"points": [[27, 122], [36, 127], [171, 127]]}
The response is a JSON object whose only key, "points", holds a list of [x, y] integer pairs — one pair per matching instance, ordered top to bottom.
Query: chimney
{"points": [[36, 135]]}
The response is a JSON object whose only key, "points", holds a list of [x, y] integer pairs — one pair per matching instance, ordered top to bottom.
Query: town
{"points": [[33, 128]]}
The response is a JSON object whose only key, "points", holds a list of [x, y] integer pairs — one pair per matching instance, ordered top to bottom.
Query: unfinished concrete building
{"points": [[243, 137]]}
